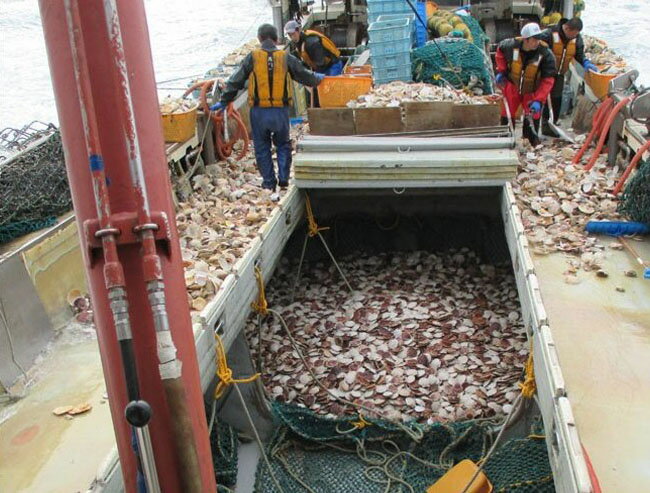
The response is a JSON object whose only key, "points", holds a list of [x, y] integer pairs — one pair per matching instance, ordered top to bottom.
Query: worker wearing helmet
{"points": [[567, 45], [315, 49], [269, 72], [525, 72]]}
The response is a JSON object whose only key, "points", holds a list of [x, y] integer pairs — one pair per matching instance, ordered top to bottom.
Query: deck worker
{"points": [[567, 45], [315, 49], [525, 69], [268, 71]]}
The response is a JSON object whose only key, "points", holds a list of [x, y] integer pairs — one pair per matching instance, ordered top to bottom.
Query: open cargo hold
{"points": [[480, 217], [435, 228]]}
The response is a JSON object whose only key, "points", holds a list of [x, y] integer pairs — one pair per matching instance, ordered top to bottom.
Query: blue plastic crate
{"points": [[378, 7], [392, 17], [410, 17], [393, 30], [421, 32], [390, 47], [385, 61], [387, 74]]}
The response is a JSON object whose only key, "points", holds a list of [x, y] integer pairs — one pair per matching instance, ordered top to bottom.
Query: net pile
{"points": [[464, 64], [33, 189], [635, 202], [223, 442], [321, 455]]}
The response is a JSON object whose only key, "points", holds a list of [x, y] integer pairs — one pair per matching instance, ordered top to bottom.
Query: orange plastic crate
{"points": [[358, 70], [336, 92]]}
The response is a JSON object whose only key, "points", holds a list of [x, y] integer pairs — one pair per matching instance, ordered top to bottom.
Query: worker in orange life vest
{"points": [[567, 45], [315, 49], [269, 72], [525, 72]]}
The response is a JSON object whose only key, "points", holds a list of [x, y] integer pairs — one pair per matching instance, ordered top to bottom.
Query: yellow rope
{"points": [[314, 229], [260, 306], [224, 372], [528, 386], [362, 423]]}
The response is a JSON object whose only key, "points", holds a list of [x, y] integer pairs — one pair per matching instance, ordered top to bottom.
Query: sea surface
{"points": [[189, 37]]}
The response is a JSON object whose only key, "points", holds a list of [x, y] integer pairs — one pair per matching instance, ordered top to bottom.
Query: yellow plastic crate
{"points": [[336, 92], [179, 127]]}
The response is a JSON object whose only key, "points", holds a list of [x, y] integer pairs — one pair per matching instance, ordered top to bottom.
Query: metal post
{"points": [[278, 18], [125, 214]]}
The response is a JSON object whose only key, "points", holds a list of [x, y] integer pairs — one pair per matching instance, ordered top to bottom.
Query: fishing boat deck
{"points": [[603, 341], [46, 453]]}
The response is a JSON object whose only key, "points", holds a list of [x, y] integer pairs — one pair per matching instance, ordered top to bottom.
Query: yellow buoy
{"points": [[455, 20], [444, 29], [456, 479]]}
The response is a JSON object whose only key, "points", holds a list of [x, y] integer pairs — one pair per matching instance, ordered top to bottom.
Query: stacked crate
{"points": [[381, 7], [410, 17], [390, 49]]}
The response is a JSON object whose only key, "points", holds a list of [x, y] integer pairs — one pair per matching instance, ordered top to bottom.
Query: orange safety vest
{"points": [[328, 44], [564, 53], [526, 79], [269, 84]]}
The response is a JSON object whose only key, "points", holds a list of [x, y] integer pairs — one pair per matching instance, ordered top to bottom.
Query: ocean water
{"points": [[189, 37]]}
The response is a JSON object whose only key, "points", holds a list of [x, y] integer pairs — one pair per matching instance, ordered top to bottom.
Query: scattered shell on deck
{"points": [[394, 93], [557, 199], [218, 222], [425, 336], [80, 409], [61, 410]]}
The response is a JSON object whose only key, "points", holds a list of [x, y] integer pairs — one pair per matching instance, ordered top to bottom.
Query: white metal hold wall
{"points": [[570, 472]]}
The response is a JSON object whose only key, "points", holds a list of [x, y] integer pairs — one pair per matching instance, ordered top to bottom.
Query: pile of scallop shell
{"points": [[598, 52], [237, 56], [392, 94], [171, 105], [558, 198], [217, 223], [432, 337]]}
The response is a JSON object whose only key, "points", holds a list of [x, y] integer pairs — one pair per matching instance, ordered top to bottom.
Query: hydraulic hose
{"points": [[597, 122], [605, 130], [224, 146], [630, 167]]}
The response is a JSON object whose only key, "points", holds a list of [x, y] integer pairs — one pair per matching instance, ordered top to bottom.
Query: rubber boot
{"points": [[531, 133]]}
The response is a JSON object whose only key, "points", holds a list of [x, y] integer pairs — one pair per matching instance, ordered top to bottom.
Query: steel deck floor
{"points": [[603, 341]]}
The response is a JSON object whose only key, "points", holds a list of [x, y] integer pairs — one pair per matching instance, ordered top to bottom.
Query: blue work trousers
{"points": [[271, 126]]}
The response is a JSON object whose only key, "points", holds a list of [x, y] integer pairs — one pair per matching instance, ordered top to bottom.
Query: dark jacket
{"points": [[580, 44], [316, 51], [239, 79]]}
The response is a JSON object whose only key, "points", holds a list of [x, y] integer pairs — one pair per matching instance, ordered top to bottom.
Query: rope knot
{"points": [[313, 228], [260, 306], [224, 372], [528, 386]]}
